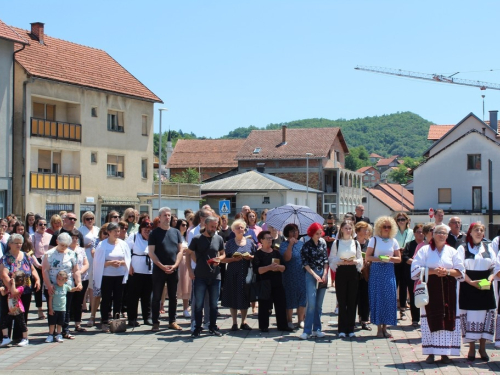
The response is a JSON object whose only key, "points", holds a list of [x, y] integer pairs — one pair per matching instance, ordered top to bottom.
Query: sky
{"points": [[219, 65]]}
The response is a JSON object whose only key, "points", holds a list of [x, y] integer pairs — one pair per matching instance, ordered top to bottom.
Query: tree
{"points": [[400, 174], [189, 176]]}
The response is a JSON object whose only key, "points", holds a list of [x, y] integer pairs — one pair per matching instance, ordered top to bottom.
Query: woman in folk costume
{"points": [[477, 306], [440, 322]]}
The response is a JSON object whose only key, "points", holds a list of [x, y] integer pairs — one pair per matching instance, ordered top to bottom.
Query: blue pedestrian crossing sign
{"points": [[224, 207]]}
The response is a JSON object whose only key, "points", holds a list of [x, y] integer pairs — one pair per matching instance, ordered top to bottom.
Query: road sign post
{"points": [[224, 207]]}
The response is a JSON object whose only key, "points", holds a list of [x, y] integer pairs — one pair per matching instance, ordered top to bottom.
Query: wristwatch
{"points": [[448, 273]]}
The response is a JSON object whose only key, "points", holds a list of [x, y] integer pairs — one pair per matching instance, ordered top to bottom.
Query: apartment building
{"points": [[83, 130]]}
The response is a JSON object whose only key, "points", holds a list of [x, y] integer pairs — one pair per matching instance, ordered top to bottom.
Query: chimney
{"points": [[37, 30], [494, 121], [283, 134]]}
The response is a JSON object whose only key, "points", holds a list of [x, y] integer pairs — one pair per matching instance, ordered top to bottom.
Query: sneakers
{"points": [[186, 314], [301, 324], [175, 326], [205, 326], [156, 327], [215, 332], [196, 333], [318, 334], [341, 334], [352, 334], [304, 336], [59, 338], [49, 339], [6, 341], [23, 342]]}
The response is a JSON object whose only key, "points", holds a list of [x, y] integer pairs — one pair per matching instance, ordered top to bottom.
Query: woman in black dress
{"points": [[363, 233], [268, 265]]}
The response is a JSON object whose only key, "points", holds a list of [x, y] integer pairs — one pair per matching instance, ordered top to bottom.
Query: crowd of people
{"points": [[201, 260]]}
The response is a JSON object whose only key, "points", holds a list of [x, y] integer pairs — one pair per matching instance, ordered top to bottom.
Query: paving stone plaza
{"points": [[242, 352]]}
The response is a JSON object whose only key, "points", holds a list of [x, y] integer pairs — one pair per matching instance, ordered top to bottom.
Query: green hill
{"points": [[402, 133]]}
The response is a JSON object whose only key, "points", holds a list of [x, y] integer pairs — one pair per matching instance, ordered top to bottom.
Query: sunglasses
{"points": [[131, 216], [115, 217], [72, 218], [89, 218], [401, 219], [330, 223], [42, 225], [184, 225], [386, 227], [105, 234]]}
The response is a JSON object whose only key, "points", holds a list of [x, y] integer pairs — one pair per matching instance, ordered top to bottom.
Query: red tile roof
{"points": [[8, 33], [68, 62], [437, 131], [317, 141], [204, 153], [373, 155], [384, 162], [364, 169], [394, 196]]}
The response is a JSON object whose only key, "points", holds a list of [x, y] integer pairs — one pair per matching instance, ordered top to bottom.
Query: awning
{"points": [[214, 194], [120, 201]]}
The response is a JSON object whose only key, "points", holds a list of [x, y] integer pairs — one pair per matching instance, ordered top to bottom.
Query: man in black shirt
{"points": [[360, 210], [69, 222], [455, 237], [164, 247], [207, 249]]}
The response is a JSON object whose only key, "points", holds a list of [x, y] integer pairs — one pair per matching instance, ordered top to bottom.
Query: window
{"points": [[44, 111], [93, 112], [115, 121], [144, 125], [257, 150], [93, 157], [49, 161], [474, 161], [115, 166], [144, 168], [477, 193], [444, 195], [267, 200], [52, 209]]}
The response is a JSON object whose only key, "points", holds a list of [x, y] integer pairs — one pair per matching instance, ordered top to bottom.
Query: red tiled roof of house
{"points": [[8, 33], [72, 63], [437, 131], [317, 141], [204, 153], [374, 155], [387, 161], [364, 169], [390, 195]]}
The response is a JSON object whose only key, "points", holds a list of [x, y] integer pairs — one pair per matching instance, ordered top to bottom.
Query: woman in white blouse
{"points": [[89, 232], [383, 252], [346, 259], [477, 306], [440, 322]]}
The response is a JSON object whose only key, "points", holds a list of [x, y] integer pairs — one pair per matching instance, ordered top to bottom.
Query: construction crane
{"points": [[431, 77]]}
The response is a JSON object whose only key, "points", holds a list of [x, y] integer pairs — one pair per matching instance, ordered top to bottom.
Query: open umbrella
{"points": [[303, 216]]}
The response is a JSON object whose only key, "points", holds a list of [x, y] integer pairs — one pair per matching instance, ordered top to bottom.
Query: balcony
{"points": [[56, 130], [55, 181]]}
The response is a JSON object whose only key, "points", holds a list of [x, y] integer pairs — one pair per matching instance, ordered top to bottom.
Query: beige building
{"points": [[83, 130]]}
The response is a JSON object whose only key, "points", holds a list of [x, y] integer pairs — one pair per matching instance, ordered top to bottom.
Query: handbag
{"points": [[365, 271], [249, 278], [258, 290], [421, 292], [118, 325]]}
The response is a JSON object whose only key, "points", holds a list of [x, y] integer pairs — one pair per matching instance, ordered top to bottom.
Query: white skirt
{"points": [[477, 324], [440, 342]]}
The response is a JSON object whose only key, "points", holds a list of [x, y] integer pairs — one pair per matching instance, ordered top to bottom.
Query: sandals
{"points": [[402, 315], [41, 316], [90, 323], [234, 327], [245, 327], [365, 327], [105, 328], [80, 329], [387, 335], [68, 336]]}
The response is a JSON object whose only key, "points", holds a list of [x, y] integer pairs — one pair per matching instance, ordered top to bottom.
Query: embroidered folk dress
{"points": [[477, 307], [447, 340]]}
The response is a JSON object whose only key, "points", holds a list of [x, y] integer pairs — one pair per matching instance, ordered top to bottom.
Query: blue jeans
{"points": [[201, 286], [314, 303]]}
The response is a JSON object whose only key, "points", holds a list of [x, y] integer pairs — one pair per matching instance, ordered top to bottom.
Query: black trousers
{"points": [[159, 280], [346, 285], [140, 286], [403, 287], [111, 291], [38, 295], [363, 300], [279, 301], [76, 305], [4, 308], [415, 311], [67, 314]]}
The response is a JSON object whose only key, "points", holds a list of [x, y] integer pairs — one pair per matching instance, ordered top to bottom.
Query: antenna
{"points": [[482, 96]]}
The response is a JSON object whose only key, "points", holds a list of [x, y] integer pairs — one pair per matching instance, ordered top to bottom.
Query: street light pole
{"points": [[159, 160], [371, 176], [307, 177]]}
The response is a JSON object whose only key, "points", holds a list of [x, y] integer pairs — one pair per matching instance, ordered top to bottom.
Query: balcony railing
{"points": [[56, 130], [55, 181]]}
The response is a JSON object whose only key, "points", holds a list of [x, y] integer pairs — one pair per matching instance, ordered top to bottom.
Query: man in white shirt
{"points": [[439, 217]]}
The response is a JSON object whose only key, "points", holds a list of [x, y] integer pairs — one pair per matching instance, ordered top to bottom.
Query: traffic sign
{"points": [[224, 207], [431, 212]]}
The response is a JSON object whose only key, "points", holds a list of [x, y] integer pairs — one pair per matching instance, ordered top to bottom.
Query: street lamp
{"points": [[159, 160], [307, 177], [370, 183]]}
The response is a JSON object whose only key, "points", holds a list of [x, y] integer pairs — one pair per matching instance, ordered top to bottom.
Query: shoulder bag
{"points": [[365, 271], [421, 292], [118, 325]]}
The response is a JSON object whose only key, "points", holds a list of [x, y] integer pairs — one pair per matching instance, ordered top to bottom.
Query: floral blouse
{"points": [[314, 256], [13, 265]]}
